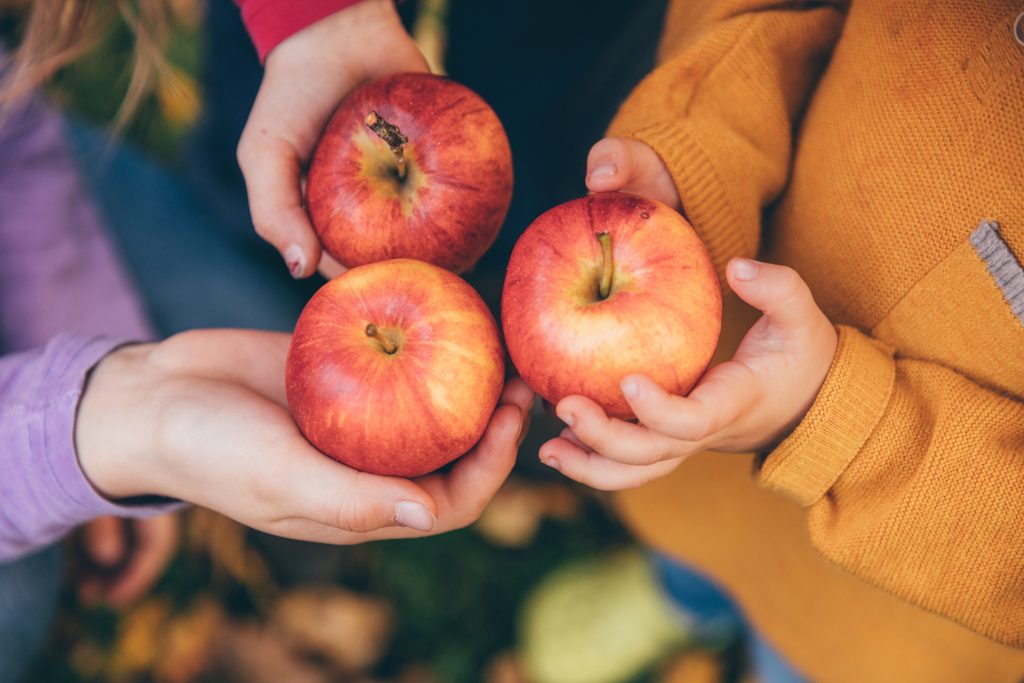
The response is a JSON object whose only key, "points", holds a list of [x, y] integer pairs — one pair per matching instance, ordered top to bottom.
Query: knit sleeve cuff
{"points": [[270, 22], [700, 191], [848, 407]]}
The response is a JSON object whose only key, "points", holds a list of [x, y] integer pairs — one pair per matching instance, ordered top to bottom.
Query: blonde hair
{"points": [[57, 32]]}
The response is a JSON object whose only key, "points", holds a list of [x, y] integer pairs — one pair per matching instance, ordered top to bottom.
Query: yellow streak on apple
{"points": [[379, 169]]}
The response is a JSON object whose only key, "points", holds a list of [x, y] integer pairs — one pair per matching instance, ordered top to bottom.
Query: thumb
{"points": [[624, 165], [777, 291], [350, 500]]}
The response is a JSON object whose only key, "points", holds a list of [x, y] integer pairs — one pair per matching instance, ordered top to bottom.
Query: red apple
{"points": [[412, 165], [605, 286], [395, 368]]}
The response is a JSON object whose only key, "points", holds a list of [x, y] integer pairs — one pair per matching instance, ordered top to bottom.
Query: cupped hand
{"points": [[305, 78], [625, 165], [749, 403], [202, 417], [124, 557]]}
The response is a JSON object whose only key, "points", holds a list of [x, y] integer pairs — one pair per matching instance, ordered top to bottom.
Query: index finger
{"points": [[272, 168]]}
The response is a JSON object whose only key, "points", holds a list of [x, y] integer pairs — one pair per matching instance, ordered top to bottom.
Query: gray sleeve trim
{"points": [[1001, 264]]}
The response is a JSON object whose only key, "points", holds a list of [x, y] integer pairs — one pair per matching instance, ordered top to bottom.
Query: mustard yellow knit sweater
{"points": [[878, 149]]}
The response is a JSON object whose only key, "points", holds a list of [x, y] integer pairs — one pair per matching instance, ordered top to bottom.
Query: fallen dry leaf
{"points": [[560, 501], [514, 515], [224, 542], [347, 629], [140, 634], [189, 643], [248, 653], [87, 659], [695, 666], [505, 668]]}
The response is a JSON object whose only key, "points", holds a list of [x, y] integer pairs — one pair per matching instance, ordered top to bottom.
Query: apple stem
{"points": [[389, 133], [605, 287], [389, 346]]}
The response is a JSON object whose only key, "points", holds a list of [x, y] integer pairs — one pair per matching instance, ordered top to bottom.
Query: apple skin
{"points": [[458, 186], [662, 318], [403, 414]]}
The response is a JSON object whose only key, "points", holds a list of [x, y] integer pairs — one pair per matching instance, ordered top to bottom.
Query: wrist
{"points": [[329, 36], [111, 425]]}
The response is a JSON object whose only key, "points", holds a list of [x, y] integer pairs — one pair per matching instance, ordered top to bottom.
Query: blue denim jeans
{"points": [[28, 596], [717, 618]]}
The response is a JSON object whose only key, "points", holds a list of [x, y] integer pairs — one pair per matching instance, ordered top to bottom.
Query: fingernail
{"points": [[603, 171], [296, 260], [744, 269], [630, 389], [568, 418], [552, 463], [413, 515]]}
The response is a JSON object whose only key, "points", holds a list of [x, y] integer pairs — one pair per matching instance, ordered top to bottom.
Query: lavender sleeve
{"points": [[58, 270], [61, 290], [43, 492]]}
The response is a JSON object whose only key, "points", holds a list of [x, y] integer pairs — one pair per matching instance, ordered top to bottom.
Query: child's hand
{"points": [[305, 78], [624, 165], [749, 403], [202, 417], [125, 557]]}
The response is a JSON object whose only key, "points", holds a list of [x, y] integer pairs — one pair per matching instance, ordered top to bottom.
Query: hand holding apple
{"points": [[304, 79], [410, 166], [605, 286], [395, 368], [749, 403], [202, 417]]}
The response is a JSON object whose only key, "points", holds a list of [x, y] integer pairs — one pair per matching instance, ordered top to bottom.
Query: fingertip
{"points": [[604, 150], [607, 166], [306, 243], [300, 251], [295, 260], [742, 270], [630, 386], [637, 387], [516, 392], [572, 408], [510, 419], [497, 447], [561, 449], [413, 514]]}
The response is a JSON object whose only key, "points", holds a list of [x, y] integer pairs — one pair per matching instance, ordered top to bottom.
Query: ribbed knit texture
{"points": [[868, 171], [853, 399]]}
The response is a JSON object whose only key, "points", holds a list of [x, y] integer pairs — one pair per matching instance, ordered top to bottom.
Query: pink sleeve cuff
{"points": [[269, 22]]}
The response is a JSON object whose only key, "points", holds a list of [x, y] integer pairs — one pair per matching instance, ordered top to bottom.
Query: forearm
{"points": [[911, 477], [43, 491]]}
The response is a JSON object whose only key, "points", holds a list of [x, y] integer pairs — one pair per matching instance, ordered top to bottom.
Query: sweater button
{"points": [[1018, 28]]}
